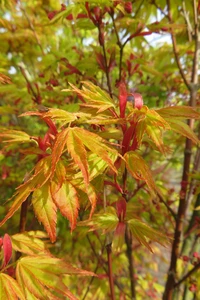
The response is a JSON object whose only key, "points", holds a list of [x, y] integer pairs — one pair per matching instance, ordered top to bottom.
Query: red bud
{"points": [[128, 7]]}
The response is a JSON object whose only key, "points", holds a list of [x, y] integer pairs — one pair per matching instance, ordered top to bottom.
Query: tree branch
{"points": [[102, 44], [175, 48], [128, 240], [195, 268], [110, 274]]}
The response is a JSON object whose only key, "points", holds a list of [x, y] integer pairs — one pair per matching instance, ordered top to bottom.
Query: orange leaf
{"points": [[78, 152], [139, 169], [66, 200], [45, 209], [9, 288]]}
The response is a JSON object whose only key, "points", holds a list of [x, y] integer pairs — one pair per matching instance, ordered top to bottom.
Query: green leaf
{"points": [[95, 97], [178, 112], [61, 115], [155, 119], [183, 129], [155, 135], [15, 136], [97, 145], [58, 147], [78, 153], [139, 169], [41, 175], [66, 200], [45, 209], [105, 221], [142, 231], [29, 242], [40, 274], [9, 288]]}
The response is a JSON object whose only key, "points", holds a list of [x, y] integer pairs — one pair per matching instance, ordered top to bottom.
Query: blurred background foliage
{"points": [[44, 45]]}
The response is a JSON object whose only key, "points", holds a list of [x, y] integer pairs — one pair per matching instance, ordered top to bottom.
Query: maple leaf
{"points": [[94, 96], [178, 112], [61, 115], [174, 116], [183, 129], [15, 136], [90, 141], [78, 152], [139, 169], [41, 175], [66, 200], [45, 209], [105, 221], [142, 231], [30, 242], [7, 250], [39, 274], [9, 288]]}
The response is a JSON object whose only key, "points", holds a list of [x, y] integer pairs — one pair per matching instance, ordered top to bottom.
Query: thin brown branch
{"points": [[159, 8], [187, 20], [102, 44], [121, 47], [175, 48], [35, 95], [167, 206], [22, 221], [128, 240], [194, 269], [110, 273], [90, 282], [168, 294]]}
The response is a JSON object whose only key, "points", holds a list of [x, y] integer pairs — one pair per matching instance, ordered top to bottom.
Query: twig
{"points": [[159, 8], [187, 20], [102, 44], [121, 47], [175, 48], [29, 85], [187, 158], [167, 206], [22, 222], [128, 240], [195, 268], [110, 274], [91, 280]]}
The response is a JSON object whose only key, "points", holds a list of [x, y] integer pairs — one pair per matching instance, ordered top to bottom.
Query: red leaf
{"points": [[100, 60], [122, 99], [138, 100], [127, 138], [121, 209], [120, 229], [7, 249]]}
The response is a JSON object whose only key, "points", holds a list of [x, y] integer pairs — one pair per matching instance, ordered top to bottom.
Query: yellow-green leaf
{"points": [[178, 112], [60, 115], [183, 129], [15, 136], [78, 152], [139, 169], [66, 200], [45, 209], [142, 232], [29, 243], [9, 288]]}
